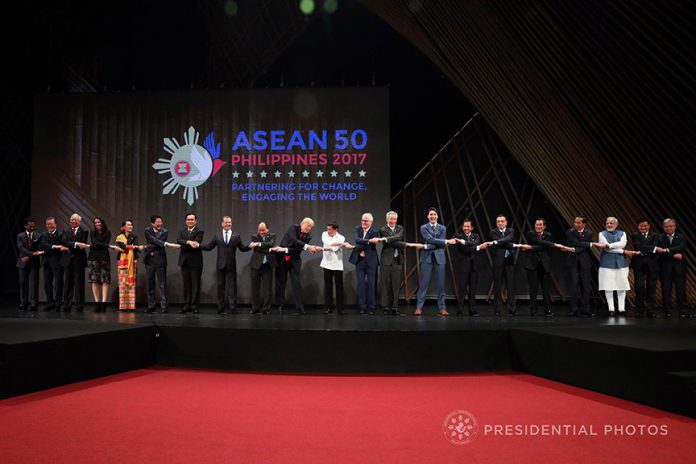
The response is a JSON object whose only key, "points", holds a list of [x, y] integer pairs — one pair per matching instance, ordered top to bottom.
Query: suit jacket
{"points": [[295, 242], [435, 242], [395, 243], [505, 243], [582, 244], [362, 245], [678, 245], [99, 247], [646, 247], [24, 248], [155, 250], [541, 250], [258, 253], [226, 254], [77, 255], [464, 256], [53, 257], [190, 257]]}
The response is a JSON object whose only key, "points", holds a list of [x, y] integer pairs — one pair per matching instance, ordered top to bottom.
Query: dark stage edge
{"points": [[36, 354], [650, 361]]}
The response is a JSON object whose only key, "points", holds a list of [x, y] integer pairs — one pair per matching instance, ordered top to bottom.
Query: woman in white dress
{"points": [[332, 263], [613, 265]]}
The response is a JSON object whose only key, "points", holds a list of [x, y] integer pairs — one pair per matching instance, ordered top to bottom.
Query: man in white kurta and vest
{"points": [[613, 266]]}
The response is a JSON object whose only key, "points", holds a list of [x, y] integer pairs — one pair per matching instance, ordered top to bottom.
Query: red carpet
{"points": [[187, 416]]}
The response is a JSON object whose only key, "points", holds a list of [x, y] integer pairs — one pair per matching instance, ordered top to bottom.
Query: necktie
{"points": [[74, 232], [645, 235], [227, 238], [30, 239], [670, 239], [507, 252]]}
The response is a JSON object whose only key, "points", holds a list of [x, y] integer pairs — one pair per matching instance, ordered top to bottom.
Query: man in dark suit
{"points": [[75, 240], [227, 244], [502, 246], [539, 246], [671, 248], [55, 258], [364, 258], [391, 259], [289, 260], [433, 260], [156, 262], [191, 262], [28, 264], [262, 264], [579, 264], [464, 266], [646, 267]]}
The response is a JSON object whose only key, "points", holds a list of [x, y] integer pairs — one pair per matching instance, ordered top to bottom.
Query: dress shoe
{"points": [[49, 307], [21, 308], [281, 309], [150, 310], [163, 310], [185, 310], [194, 310], [221, 311], [255, 311], [265, 311], [328, 311], [363, 311], [371, 311], [300, 312], [341, 312], [385, 312], [396, 312], [418, 312], [443, 312], [460, 312], [532, 312], [639, 312], [474, 313], [497, 313], [512, 313], [548, 313], [611, 313], [573, 314], [588, 314], [651, 314], [668, 314], [686, 315]]}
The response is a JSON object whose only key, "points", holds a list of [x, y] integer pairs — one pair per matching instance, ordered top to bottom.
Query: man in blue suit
{"points": [[364, 258], [433, 261]]}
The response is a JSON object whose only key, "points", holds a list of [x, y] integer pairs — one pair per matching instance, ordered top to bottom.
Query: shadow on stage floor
{"points": [[650, 361]]}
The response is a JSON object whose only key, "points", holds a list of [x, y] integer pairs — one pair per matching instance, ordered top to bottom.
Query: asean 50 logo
{"points": [[190, 165], [460, 427]]}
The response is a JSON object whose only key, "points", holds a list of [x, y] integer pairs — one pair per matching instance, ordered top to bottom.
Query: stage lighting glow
{"points": [[307, 6], [330, 6], [231, 8]]}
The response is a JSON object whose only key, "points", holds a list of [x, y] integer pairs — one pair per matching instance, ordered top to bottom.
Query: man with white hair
{"points": [[75, 240], [671, 246], [289, 257], [364, 258], [391, 258]]}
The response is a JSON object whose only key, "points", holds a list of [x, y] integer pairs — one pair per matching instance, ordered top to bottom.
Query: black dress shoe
{"points": [[49, 307], [21, 308], [163, 310], [185, 310], [194, 310], [221, 311], [255, 311], [328, 311], [363, 311], [371, 311], [265, 312], [300, 312], [385, 312], [396, 312], [460, 312], [532, 312], [474, 313], [497, 313], [512, 313], [548, 313], [573, 314], [651, 314], [668, 314], [686, 315]]}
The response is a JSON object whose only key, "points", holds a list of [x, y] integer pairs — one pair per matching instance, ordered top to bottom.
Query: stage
{"points": [[650, 361]]}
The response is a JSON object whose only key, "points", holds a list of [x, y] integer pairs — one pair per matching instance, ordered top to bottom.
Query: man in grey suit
{"points": [[227, 244], [391, 256], [433, 261], [262, 265]]}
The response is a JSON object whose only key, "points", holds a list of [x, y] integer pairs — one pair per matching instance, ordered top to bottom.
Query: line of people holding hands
{"points": [[67, 254]]}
